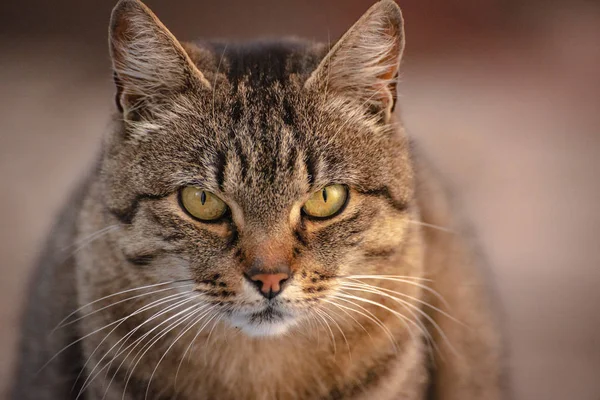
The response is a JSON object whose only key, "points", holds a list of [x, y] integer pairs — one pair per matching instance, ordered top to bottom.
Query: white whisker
{"points": [[437, 227], [89, 238], [407, 277], [402, 280], [112, 295], [122, 301], [420, 301], [333, 303], [404, 304], [151, 305], [417, 309], [318, 313], [399, 315], [370, 316], [212, 329], [340, 329], [184, 331], [209, 333], [194, 339], [155, 340], [91, 375]]}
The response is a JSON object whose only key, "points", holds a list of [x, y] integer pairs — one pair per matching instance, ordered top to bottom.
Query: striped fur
{"points": [[381, 304]]}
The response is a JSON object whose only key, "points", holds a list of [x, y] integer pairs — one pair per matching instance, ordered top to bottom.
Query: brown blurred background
{"points": [[504, 94]]}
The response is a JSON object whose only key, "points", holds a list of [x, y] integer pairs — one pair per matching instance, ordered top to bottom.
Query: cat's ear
{"points": [[147, 59], [363, 64]]}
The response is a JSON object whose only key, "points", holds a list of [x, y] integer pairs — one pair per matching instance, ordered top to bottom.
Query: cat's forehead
{"points": [[258, 64], [257, 96], [259, 113], [259, 133], [267, 134]]}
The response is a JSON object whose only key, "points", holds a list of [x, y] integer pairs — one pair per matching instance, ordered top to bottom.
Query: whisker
{"points": [[437, 227], [95, 236], [89, 238], [408, 277], [392, 278], [115, 294], [122, 301], [423, 302], [333, 303], [151, 305], [317, 312], [424, 314], [399, 315], [370, 316], [178, 318], [314, 326], [303, 328], [422, 328], [212, 329], [340, 329], [184, 331], [210, 333], [194, 339], [155, 340], [75, 342], [91, 375]]}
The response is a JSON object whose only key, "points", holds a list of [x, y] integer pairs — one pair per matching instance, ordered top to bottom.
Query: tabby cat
{"points": [[259, 226]]}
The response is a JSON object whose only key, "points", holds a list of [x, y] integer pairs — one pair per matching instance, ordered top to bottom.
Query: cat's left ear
{"points": [[148, 60], [363, 65]]}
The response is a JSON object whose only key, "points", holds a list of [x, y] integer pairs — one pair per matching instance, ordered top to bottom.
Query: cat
{"points": [[259, 226]]}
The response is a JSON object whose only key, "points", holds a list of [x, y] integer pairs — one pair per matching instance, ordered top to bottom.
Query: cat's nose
{"points": [[269, 283]]}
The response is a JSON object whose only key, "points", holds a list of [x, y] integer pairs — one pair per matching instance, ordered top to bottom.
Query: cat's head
{"points": [[263, 172]]}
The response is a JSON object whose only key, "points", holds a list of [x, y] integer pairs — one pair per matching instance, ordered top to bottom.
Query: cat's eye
{"points": [[327, 202], [202, 204]]}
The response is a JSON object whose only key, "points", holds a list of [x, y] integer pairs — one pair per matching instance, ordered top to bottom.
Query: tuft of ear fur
{"points": [[147, 59], [363, 65]]}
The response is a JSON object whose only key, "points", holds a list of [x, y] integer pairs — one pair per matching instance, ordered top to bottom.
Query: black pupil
{"points": [[325, 195], [203, 198]]}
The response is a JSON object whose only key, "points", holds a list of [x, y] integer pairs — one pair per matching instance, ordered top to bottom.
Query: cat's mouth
{"points": [[268, 314], [269, 321]]}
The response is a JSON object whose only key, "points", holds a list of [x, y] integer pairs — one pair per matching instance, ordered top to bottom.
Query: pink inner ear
{"points": [[392, 57], [363, 64], [390, 73], [386, 85]]}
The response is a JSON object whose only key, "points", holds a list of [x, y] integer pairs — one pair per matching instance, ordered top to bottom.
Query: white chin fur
{"points": [[264, 328]]}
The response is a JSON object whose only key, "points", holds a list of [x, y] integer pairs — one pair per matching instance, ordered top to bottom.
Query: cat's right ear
{"points": [[148, 61], [363, 65]]}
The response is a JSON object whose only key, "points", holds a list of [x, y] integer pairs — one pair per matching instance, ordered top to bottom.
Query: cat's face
{"points": [[262, 174]]}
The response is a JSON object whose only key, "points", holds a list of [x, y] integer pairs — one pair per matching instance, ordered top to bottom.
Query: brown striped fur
{"points": [[262, 125]]}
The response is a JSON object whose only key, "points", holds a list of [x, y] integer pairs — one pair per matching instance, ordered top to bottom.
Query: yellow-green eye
{"points": [[326, 202], [202, 204]]}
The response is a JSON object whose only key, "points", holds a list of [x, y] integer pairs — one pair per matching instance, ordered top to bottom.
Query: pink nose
{"points": [[269, 284]]}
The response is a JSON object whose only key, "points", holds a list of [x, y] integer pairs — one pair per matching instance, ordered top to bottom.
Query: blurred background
{"points": [[503, 94]]}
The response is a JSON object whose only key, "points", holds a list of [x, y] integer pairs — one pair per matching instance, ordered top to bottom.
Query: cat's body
{"points": [[262, 126]]}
